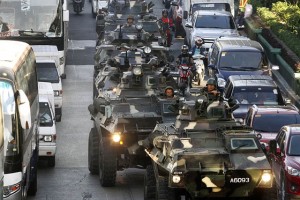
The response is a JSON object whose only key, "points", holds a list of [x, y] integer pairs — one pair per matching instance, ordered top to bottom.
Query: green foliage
{"points": [[284, 21]]}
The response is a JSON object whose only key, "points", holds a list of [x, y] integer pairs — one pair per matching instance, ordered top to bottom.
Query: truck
{"points": [[49, 52], [47, 127]]}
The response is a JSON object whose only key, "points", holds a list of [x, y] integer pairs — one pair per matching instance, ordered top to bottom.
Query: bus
{"points": [[36, 22], [20, 104], [1, 151]]}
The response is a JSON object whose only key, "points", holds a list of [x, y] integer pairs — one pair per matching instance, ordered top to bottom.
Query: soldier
{"points": [[210, 90], [169, 92]]}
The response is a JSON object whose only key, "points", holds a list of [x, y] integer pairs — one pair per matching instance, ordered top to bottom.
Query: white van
{"points": [[50, 52], [47, 72], [47, 128]]}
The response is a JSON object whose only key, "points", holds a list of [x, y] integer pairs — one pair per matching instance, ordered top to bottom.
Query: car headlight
{"points": [[139, 27], [147, 50], [61, 60], [137, 71], [221, 82], [56, 93], [116, 137], [48, 138], [292, 171], [266, 177], [176, 179], [11, 189]]}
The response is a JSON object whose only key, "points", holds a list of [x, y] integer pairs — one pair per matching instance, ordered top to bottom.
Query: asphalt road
{"points": [[70, 178]]}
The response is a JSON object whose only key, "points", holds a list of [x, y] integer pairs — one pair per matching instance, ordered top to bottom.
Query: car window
{"points": [[214, 21], [244, 60], [47, 72], [256, 95], [45, 115], [273, 122], [294, 147]]}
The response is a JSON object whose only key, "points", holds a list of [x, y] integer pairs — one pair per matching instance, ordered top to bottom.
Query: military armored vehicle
{"points": [[205, 154]]}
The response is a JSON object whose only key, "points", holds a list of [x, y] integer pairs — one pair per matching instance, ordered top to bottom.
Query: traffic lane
{"points": [[82, 26], [77, 183]]}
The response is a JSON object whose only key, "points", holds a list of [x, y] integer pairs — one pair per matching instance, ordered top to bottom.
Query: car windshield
{"points": [[211, 6], [214, 21], [241, 60], [47, 72], [257, 96], [45, 115], [273, 122], [294, 147]]}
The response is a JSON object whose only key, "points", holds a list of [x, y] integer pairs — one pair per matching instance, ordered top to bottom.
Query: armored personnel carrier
{"points": [[205, 154]]}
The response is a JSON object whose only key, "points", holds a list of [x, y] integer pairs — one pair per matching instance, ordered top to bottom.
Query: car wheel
{"points": [[93, 152], [51, 161], [107, 163], [149, 183]]}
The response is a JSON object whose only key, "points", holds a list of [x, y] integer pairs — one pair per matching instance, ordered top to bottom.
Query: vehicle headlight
{"points": [[139, 26], [147, 50], [61, 60], [137, 71], [221, 82], [56, 93], [116, 137], [48, 138], [292, 171], [266, 177], [176, 179], [11, 189]]}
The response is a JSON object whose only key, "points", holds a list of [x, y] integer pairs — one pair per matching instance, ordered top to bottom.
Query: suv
{"points": [[209, 25], [237, 56], [248, 90], [267, 120], [284, 159]]}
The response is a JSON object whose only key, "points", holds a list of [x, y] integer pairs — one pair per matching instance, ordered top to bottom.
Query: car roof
{"points": [[212, 12], [239, 44], [252, 80], [275, 109]]}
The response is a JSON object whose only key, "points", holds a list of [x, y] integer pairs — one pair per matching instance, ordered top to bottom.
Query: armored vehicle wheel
{"points": [[93, 152], [51, 161], [107, 164], [149, 183], [163, 192]]}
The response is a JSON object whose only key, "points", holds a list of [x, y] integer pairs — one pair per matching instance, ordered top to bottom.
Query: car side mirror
{"points": [[185, 14], [273, 146]]}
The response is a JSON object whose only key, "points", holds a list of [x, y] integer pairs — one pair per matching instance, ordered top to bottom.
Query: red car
{"points": [[284, 158]]}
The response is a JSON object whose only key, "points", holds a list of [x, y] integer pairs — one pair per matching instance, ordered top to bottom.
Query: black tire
{"points": [[93, 152], [51, 161], [107, 164], [149, 183], [33, 185], [163, 192]]}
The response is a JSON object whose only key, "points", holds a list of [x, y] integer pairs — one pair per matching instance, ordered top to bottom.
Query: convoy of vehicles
{"points": [[19, 92], [191, 146]]}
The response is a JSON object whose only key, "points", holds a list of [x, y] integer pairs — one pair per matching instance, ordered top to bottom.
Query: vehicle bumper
{"points": [[47, 150]]}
